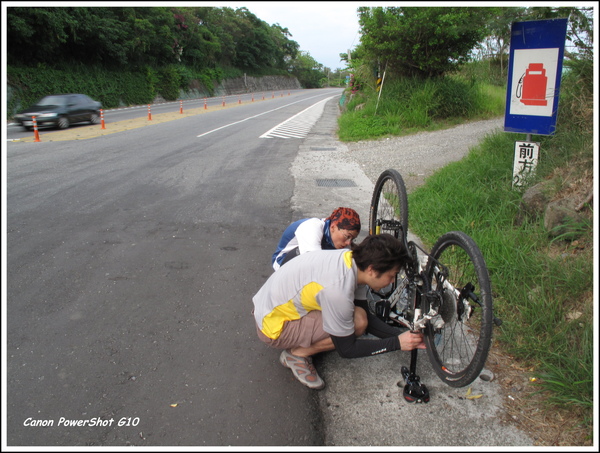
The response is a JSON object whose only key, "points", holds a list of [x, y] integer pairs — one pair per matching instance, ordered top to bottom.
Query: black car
{"points": [[60, 110]]}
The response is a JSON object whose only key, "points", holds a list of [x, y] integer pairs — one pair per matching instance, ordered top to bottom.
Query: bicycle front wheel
{"points": [[389, 205], [458, 339]]}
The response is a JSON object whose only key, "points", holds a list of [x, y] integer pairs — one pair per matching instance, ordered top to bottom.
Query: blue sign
{"points": [[534, 72]]}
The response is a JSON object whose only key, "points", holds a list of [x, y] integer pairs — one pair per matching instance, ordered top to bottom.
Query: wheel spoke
{"points": [[389, 205], [458, 348]]}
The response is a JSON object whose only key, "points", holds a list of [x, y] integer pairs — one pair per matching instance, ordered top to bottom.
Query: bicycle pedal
{"points": [[416, 393]]}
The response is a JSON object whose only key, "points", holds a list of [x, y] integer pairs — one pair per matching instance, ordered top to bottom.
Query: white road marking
{"points": [[269, 111], [299, 125]]}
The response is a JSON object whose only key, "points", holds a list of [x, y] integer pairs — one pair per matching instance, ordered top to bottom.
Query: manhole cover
{"points": [[335, 183]]}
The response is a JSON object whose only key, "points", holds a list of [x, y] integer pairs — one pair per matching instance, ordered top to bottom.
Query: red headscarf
{"points": [[345, 219]]}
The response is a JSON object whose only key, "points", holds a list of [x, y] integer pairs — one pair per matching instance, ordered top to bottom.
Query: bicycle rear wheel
{"points": [[389, 205], [458, 347]]}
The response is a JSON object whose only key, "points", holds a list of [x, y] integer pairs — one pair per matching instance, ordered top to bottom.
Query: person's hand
{"points": [[411, 340]]}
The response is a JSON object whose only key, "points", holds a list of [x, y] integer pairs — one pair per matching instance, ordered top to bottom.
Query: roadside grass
{"points": [[406, 106], [543, 287], [544, 297]]}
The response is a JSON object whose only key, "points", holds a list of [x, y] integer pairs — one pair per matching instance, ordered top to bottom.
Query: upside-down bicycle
{"points": [[446, 294]]}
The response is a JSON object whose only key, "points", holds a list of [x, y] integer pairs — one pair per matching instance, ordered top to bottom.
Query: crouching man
{"points": [[317, 303]]}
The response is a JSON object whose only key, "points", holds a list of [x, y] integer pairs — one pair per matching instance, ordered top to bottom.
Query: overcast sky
{"points": [[323, 29]]}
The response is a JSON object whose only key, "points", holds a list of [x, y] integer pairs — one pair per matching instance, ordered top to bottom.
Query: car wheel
{"points": [[94, 118], [63, 122], [28, 128]]}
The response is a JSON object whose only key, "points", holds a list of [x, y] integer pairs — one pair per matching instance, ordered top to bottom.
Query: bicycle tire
{"points": [[389, 203], [458, 350]]}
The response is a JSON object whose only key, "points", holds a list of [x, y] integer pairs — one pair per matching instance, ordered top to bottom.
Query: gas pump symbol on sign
{"points": [[531, 88]]}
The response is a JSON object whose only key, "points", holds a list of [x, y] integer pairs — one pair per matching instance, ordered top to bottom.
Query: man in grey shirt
{"points": [[312, 305]]}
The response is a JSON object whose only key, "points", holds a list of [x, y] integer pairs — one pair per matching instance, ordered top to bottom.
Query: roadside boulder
{"points": [[534, 202], [562, 219]]}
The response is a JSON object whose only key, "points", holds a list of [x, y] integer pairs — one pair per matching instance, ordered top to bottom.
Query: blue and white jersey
{"points": [[307, 234]]}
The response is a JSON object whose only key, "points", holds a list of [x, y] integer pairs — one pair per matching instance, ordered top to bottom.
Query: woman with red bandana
{"points": [[337, 231]]}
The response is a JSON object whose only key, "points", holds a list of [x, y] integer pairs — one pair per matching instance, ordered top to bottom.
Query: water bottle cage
{"points": [[382, 309]]}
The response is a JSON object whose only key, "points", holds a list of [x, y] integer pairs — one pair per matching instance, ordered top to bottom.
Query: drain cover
{"points": [[317, 148], [335, 183]]}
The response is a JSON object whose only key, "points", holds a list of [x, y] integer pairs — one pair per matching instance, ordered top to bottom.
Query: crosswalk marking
{"points": [[299, 125]]}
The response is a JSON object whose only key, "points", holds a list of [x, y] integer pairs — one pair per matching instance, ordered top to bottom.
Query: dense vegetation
{"points": [[198, 38], [427, 41], [430, 42], [128, 55], [543, 283]]}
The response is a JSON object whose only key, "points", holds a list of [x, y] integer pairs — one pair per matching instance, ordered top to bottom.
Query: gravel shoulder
{"points": [[418, 156]]}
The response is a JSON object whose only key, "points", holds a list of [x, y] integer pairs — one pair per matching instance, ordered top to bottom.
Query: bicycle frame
{"points": [[415, 284], [418, 285], [420, 303]]}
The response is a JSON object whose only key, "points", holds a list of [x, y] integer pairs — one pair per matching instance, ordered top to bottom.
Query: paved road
{"points": [[132, 259]]}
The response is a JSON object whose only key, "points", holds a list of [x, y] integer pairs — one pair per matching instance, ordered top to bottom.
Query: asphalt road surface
{"points": [[131, 259]]}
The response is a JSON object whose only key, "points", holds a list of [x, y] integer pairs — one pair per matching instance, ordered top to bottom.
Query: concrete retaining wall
{"points": [[242, 85], [227, 87]]}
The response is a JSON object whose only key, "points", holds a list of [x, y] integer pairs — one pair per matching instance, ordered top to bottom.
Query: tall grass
{"points": [[409, 105], [535, 292]]}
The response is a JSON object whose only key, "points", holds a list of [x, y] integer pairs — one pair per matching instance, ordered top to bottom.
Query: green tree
{"points": [[26, 27], [57, 35], [89, 35], [151, 37], [422, 42], [176, 44], [496, 44], [196, 45], [255, 49], [287, 49], [307, 70]]}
